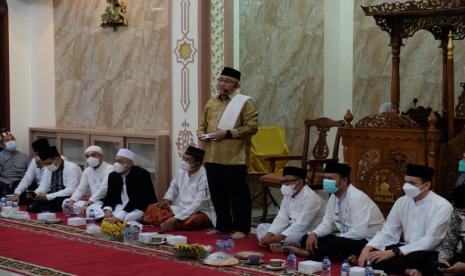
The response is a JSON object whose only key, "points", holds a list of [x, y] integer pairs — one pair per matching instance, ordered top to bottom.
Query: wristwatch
{"points": [[396, 251]]}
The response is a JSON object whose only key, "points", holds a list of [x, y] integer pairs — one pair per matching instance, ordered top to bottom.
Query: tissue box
{"points": [[46, 216], [76, 221], [147, 237], [176, 239], [309, 267], [357, 271]]}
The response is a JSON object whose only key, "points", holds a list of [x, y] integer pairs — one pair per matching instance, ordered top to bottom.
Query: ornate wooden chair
{"points": [[311, 161]]}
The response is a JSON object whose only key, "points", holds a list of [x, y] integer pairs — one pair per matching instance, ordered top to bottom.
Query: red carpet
{"points": [[70, 250]]}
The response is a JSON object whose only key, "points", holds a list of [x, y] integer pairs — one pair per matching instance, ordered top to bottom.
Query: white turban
{"points": [[94, 148], [127, 154]]}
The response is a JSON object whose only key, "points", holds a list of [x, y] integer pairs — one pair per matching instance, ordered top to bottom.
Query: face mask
{"points": [[10, 145], [92, 162], [186, 166], [461, 166], [52, 167], [119, 167], [329, 186], [287, 190], [411, 190]]}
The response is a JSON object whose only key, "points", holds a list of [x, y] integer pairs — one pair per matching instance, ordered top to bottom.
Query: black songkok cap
{"points": [[231, 72], [40, 144], [195, 152], [47, 153], [342, 169], [295, 171], [420, 171], [458, 197]]}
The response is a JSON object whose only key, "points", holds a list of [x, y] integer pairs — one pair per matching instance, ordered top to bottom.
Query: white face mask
{"points": [[10, 145], [92, 162], [186, 166], [52, 167], [119, 167], [287, 190], [411, 190]]}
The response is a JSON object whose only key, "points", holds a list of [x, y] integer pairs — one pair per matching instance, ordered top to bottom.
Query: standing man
{"points": [[227, 123], [13, 164], [34, 172], [93, 186], [130, 190], [422, 217]]}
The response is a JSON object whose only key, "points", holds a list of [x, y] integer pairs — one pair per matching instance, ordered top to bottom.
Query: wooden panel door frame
{"points": [[4, 67]]}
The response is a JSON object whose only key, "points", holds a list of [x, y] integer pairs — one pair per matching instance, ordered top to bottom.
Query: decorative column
{"points": [[396, 43], [184, 78], [450, 88]]}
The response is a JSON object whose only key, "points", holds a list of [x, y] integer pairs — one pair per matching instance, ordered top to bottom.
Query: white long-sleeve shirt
{"points": [[32, 173], [71, 177], [94, 183], [190, 195], [299, 214], [354, 215], [423, 223]]}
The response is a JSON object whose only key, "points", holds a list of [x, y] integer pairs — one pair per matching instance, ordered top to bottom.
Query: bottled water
{"points": [[3, 200], [15, 205], [66, 208], [91, 215], [127, 234], [135, 234], [220, 244], [228, 245], [291, 263], [326, 267], [345, 268], [369, 270]]}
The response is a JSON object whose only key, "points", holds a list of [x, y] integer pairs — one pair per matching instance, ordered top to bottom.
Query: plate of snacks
{"points": [[220, 259]]}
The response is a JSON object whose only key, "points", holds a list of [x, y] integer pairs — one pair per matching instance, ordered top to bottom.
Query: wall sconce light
{"points": [[115, 15]]}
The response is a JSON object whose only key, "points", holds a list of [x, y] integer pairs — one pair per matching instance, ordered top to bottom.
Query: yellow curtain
{"points": [[268, 141]]}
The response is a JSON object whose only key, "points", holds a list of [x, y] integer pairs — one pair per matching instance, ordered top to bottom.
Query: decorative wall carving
{"points": [[387, 120], [185, 138], [368, 158]]}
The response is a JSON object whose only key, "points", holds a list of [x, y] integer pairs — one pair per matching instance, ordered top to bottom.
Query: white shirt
{"points": [[32, 173], [71, 177], [94, 182], [190, 195], [299, 214], [354, 215], [423, 223]]}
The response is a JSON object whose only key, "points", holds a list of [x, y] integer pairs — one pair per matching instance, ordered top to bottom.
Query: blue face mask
{"points": [[461, 166], [329, 186]]}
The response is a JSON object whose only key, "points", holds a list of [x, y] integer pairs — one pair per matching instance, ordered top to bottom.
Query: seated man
{"points": [[13, 164], [461, 171], [34, 172], [94, 179], [58, 182], [130, 190], [187, 204], [301, 209], [349, 212], [421, 216], [453, 259]]}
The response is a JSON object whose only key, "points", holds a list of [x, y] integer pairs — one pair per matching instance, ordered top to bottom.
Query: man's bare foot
{"points": [[238, 235], [353, 260], [412, 272]]}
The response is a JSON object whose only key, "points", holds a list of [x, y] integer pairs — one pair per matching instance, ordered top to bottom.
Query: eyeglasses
{"points": [[220, 79]]}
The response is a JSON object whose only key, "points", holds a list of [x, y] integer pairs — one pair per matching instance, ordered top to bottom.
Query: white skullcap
{"points": [[94, 148], [126, 153]]}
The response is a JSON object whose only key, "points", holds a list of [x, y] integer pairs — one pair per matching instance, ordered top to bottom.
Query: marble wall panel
{"points": [[281, 59], [420, 67], [107, 79]]}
